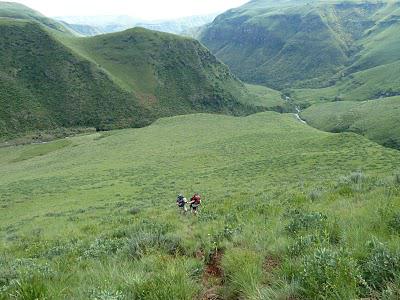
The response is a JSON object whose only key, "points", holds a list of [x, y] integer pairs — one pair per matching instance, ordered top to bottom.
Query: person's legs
{"points": [[194, 209]]}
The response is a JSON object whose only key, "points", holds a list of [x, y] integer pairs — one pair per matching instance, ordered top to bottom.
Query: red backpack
{"points": [[196, 199]]}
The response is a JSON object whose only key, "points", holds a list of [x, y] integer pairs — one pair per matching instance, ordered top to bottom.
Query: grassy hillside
{"points": [[13, 10], [304, 44], [166, 72], [56, 82], [378, 82], [44, 85], [262, 96], [377, 119], [286, 213]]}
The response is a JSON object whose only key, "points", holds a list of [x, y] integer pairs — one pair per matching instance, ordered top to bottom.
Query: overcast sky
{"points": [[143, 9]]}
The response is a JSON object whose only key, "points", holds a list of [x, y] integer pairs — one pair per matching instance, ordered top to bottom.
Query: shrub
{"points": [[357, 177], [397, 178], [351, 183], [315, 194], [134, 211], [304, 221], [394, 223], [143, 242], [302, 244], [103, 247], [380, 267], [243, 273], [329, 274], [169, 281], [30, 289], [102, 294]]}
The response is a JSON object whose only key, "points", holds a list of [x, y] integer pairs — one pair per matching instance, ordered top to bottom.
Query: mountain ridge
{"points": [[52, 79]]}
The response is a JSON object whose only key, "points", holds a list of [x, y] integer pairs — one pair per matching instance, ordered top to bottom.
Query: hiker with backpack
{"points": [[181, 203], [194, 203]]}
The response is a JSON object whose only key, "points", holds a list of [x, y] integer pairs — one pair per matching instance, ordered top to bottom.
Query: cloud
{"points": [[144, 9]]}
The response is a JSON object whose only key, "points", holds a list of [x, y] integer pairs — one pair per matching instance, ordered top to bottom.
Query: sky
{"points": [[143, 9]]}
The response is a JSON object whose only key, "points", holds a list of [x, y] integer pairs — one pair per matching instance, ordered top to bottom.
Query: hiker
{"points": [[195, 202], [181, 203]]}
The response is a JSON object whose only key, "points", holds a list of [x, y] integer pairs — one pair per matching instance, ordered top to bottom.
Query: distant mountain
{"points": [[104, 24], [109, 24], [179, 26], [84, 30], [292, 43], [49, 79]]}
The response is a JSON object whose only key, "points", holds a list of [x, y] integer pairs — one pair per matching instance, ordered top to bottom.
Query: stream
{"points": [[298, 115]]}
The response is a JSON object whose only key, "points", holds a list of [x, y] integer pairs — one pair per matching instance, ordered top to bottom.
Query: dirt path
{"points": [[213, 277]]}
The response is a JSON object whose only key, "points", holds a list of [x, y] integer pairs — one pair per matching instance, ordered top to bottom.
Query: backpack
{"points": [[196, 199], [180, 200]]}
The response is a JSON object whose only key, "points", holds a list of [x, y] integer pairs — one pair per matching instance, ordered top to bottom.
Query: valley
{"points": [[283, 116]]}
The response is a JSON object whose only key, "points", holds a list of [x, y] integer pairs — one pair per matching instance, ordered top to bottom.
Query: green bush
{"points": [[397, 178], [315, 194], [304, 221], [394, 223], [144, 242], [301, 245], [103, 247], [380, 267], [243, 273], [329, 274], [169, 281], [30, 289]]}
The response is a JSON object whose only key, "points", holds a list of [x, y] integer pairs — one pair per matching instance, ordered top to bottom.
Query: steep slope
{"points": [[288, 43], [164, 71], [52, 80], [44, 85], [376, 119]]}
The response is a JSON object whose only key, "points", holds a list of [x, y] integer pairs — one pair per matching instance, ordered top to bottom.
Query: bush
{"points": [[357, 177], [397, 178], [351, 183], [315, 194], [134, 211], [304, 221], [394, 223], [143, 242], [302, 244], [103, 247], [380, 267], [243, 273], [328, 274], [170, 280], [30, 289], [102, 294]]}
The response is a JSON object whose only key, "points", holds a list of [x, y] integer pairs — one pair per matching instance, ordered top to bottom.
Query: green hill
{"points": [[17, 11], [288, 44], [316, 52], [52, 81], [378, 82], [45, 85], [376, 119], [287, 213]]}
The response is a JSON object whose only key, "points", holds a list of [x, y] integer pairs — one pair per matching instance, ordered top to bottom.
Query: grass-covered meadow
{"points": [[289, 212]]}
